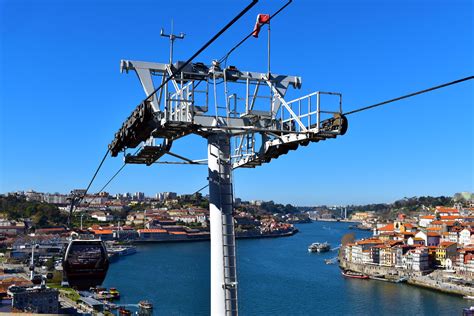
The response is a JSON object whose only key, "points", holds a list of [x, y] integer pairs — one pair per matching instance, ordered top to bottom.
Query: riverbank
{"points": [[335, 220], [207, 237], [435, 280]]}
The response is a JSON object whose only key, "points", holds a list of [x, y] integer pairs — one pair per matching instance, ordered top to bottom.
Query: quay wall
{"points": [[390, 273], [432, 281], [446, 287]]}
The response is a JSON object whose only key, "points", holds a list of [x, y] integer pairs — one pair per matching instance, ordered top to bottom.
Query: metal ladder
{"points": [[228, 246], [230, 275]]}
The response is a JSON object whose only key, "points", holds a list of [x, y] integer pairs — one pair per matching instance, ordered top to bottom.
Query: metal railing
{"points": [[308, 111]]}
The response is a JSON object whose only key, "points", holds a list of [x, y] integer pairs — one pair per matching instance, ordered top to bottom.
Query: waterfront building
{"points": [[361, 216], [173, 228], [50, 231], [125, 233], [153, 233], [104, 234], [177, 235], [400, 251], [444, 251], [348, 252], [376, 254], [367, 256], [387, 256], [416, 259], [420, 259], [466, 262], [39, 300]]}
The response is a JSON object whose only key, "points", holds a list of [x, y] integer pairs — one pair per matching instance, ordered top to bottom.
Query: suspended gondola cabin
{"points": [[85, 263]]}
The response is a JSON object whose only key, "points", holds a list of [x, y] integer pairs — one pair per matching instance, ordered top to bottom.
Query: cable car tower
{"points": [[247, 121]]}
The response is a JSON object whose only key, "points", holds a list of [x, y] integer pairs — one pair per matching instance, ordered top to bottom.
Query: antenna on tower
{"points": [[172, 38]]}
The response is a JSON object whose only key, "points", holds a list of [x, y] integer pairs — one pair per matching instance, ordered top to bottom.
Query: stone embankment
{"points": [[389, 273], [436, 280]]}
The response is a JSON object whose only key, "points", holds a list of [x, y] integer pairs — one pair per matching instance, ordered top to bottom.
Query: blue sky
{"points": [[62, 97]]}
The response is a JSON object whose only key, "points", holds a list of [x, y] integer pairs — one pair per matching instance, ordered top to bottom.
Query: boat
{"points": [[319, 247], [121, 250], [331, 261], [355, 275], [379, 278], [401, 280], [112, 294], [468, 297], [145, 305], [468, 311], [124, 312]]}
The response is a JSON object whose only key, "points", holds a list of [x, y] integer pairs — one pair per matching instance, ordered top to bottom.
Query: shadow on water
{"points": [[276, 277]]}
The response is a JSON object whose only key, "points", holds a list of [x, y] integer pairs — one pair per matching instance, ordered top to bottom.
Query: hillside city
{"points": [[414, 240]]}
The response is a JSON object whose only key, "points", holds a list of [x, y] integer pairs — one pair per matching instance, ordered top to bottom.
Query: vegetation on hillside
{"points": [[41, 214]]}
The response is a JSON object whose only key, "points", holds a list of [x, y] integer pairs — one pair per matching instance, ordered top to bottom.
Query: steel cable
{"points": [[409, 95]]}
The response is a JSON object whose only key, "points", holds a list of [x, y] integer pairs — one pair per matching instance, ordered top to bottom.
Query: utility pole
{"points": [[32, 260]]}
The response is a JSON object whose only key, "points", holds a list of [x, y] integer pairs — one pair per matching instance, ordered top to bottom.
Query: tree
{"points": [[347, 239]]}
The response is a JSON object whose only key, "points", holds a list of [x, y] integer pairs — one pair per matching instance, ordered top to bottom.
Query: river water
{"points": [[277, 276]]}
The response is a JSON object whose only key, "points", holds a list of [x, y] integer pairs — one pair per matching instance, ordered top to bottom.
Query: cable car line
{"points": [[410, 95], [95, 174], [201, 189]]}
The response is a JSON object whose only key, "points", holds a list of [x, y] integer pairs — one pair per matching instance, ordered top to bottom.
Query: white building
{"points": [[55, 199], [102, 216], [425, 220], [422, 235], [465, 237], [357, 254], [416, 259]]}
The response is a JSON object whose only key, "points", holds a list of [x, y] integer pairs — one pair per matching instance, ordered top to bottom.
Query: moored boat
{"points": [[355, 275], [124, 312]]}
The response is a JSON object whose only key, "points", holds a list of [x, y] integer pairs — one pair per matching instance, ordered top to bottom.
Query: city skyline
{"points": [[54, 132]]}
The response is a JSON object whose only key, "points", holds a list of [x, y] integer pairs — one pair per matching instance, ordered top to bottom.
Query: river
{"points": [[277, 276]]}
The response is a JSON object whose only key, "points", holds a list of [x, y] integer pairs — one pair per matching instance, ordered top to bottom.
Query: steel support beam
{"points": [[223, 260]]}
